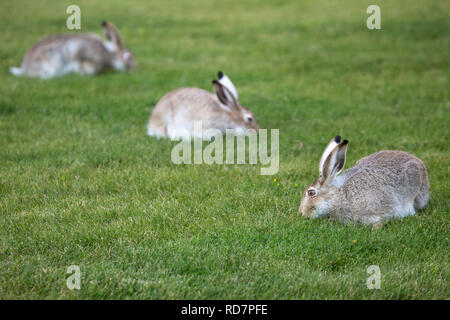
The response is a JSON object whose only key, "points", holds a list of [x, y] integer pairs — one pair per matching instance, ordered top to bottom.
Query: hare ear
{"points": [[112, 34], [226, 82], [224, 95], [330, 146], [334, 162]]}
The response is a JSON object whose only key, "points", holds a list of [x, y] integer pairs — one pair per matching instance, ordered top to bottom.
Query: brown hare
{"points": [[76, 53], [177, 111], [382, 186]]}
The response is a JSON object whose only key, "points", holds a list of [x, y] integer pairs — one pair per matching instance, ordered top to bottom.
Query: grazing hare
{"points": [[81, 53], [177, 111], [382, 186]]}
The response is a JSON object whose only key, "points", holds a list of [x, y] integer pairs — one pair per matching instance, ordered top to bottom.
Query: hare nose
{"points": [[306, 212]]}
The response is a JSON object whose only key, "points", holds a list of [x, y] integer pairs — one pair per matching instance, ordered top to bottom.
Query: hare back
{"points": [[188, 99], [392, 167]]}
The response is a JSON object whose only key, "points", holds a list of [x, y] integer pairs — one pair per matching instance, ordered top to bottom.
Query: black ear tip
{"points": [[104, 23], [220, 74], [214, 81], [337, 139], [344, 142]]}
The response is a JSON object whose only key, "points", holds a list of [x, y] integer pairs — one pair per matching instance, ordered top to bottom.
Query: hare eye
{"points": [[249, 119], [312, 192]]}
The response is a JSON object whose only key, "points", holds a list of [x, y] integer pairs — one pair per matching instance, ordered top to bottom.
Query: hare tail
{"points": [[16, 71]]}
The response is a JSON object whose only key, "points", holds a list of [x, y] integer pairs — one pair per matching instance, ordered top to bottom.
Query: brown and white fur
{"points": [[76, 53], [178, 110], [382, 186]]}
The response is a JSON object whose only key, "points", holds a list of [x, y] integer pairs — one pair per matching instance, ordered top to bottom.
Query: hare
{"points": [[81, 53], [176, 112], [385, 185]]}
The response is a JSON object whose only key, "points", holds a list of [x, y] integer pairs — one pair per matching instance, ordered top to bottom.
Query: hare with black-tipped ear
{"points": [[76, 53], [176, 112], [382, 186]]}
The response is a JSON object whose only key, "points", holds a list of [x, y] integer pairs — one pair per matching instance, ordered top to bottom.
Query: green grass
{"points": [[81, 183]]}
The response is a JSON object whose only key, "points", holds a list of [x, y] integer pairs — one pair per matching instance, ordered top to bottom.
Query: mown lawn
{"points": [[82, 184]]}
